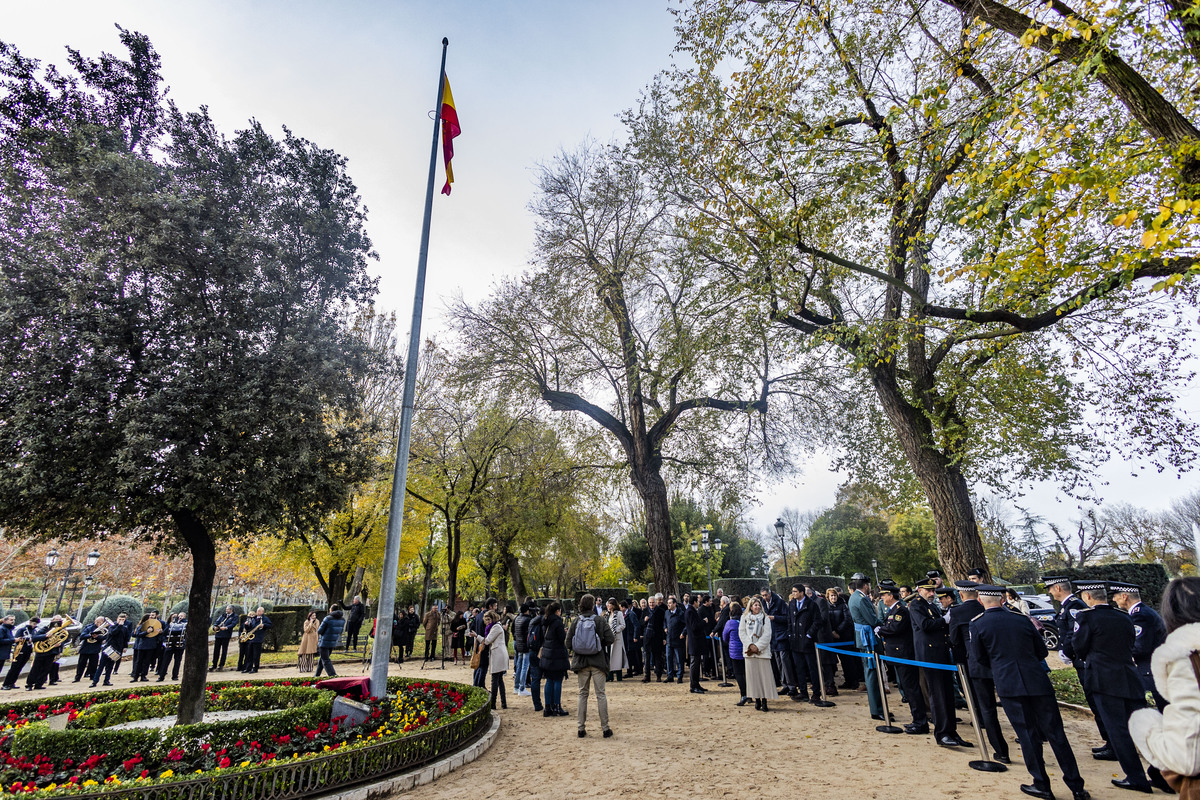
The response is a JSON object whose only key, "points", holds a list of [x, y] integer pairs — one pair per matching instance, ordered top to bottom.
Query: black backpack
{"points": [[534, 638]]}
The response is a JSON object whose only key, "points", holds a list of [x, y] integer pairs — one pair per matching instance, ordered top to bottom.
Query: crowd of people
{"points": [[944, 649]]}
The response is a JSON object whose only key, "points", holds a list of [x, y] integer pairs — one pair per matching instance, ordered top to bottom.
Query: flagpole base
{"points": [[888, 729], [988, 766]]}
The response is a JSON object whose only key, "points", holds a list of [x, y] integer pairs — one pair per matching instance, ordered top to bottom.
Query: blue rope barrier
{"points": [[893, 659]]}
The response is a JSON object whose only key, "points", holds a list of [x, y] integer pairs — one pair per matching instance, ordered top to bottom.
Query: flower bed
{"points": [[293, 749]]}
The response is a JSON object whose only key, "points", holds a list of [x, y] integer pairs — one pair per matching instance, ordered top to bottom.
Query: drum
{"points": [[112, 653]]}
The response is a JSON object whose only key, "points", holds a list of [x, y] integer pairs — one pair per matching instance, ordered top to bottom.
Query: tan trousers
{"points": [[588, 676]]}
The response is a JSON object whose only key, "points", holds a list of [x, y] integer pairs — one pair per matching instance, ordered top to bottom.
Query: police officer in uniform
{"points": [[1069, 608], [1150, 629], [897, 633], [1104, 639], [931, 643], [1012, 648], [982, 689]]}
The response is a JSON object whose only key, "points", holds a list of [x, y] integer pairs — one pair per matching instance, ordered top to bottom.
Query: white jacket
{"points": [[761, 638], [498, 652], [1171, 739]]}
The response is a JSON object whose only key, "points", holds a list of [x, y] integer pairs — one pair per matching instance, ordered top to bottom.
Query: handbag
{"points": [[752, 650], [477, 657], [1188, 786]]}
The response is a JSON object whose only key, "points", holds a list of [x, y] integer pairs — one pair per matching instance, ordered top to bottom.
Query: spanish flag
{"points": [[450, 129]]}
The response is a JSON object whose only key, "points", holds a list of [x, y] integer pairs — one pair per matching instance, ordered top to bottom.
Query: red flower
{"points": [[223, 763]]}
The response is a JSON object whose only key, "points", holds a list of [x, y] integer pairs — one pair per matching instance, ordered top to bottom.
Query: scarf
{"points": [[755, 624]]}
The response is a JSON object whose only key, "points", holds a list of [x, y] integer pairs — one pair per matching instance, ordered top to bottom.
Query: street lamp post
{"points": [[779, 528], [706, 549], [90, 561], [875, 567], [826, 569], [87, 583]]}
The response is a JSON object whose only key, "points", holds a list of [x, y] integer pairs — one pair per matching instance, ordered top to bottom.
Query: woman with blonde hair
{"points": [[754, 631]]}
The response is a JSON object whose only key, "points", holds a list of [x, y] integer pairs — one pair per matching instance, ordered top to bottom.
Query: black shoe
{"points": [[161, 678], [658, 678], [646, 679], [679, 679], [106, 683], [92, 685], [785, 690], [696, 691], [831, 692], [798, 699], [742, 702], [758, 704], [764, 705], [547, 712], [891, 717], [916, 730], [582, 733], [608, 733], [950, 741], [1102, 748], [1106, 754], [1004, 759], [1158, 781], [1136, 787], [1033, 791], [1084, 794]]}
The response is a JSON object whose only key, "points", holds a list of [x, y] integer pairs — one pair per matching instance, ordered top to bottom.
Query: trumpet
{"points": [[56, 636]]}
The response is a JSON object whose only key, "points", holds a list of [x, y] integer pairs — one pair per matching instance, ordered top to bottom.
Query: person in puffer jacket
{"points": [[328, 636], [1169, 738]]}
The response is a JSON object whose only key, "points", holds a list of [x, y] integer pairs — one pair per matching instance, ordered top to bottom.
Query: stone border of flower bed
{"points": [[352, 764]]}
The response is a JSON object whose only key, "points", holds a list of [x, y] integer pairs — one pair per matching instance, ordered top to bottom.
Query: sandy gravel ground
{"points": [[669, 743]]}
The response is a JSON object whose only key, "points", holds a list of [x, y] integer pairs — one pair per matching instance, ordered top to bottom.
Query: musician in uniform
{"points": [[1069, 608], [223, 627], [256, 629], [1150, 629], [897, 633], [1104, 639], [7, 640], [91, 642], [173, 645], [931, 645], [145, 646], [1010, 647], [113, 648], [22, 651], [44, 659], [982, 688]]}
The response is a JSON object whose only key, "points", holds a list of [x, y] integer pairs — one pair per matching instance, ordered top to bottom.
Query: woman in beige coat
{"points": [[755, 632], [494, 639], [308, 642], [1170, 739]]}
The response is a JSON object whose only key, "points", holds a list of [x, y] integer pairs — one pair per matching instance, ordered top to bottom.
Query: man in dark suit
{"points": [[1069, 608], [224, 625], [257, 626], [804, 628], [1150, 629], [654, 633], [897, 633], [633, 636], [676, 640], [1104, 640], [697, 641], [931, 644], [1010, 646], [89, 651], [982, 689]]}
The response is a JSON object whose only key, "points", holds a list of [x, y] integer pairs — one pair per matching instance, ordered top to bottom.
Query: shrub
{"points": [[1151, 577], [819, 583], [737, 588], [602, 593], [115, 604], [182, 605], [19, 615], [283, 629], [1066, 686]]}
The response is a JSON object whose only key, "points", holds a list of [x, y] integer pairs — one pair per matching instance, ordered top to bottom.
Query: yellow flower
{"points": [[245, 764], [167, 774], [90, 782]]}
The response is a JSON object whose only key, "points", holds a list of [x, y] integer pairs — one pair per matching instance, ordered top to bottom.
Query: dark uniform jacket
{"points": [[1066, 619], [960, 620], [229, 621], [252, 622], [656, 624], [804, 624], [697, 630], [1151, 631], [897, 632], [931, 634], [118, 636], [7, 640], [1104, 641], [86, 648], [1012, 648]]}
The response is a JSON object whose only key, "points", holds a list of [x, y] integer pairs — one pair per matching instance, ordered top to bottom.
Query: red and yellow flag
{"points": [[450, 129]]}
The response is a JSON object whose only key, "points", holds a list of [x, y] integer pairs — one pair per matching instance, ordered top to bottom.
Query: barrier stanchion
{"points": [[720, 656], [824, 702], [886, 727], [986, 765]]}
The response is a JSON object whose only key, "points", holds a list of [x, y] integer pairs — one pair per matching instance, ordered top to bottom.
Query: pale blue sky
{"points": [[529, 78]]}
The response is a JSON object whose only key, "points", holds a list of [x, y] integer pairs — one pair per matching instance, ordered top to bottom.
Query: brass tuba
{"points": [[56, 636]]}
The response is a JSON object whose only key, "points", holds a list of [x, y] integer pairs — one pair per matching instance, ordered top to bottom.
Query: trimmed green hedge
{"points": [[1151, 577], [1066, 686]]}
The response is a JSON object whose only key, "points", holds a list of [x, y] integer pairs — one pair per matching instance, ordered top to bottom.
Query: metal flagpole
{"points": [[391, 554]]}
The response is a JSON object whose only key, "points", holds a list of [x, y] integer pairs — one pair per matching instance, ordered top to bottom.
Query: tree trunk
{"points": [[653, 490], [959, 545], [453, 554], [514, 574], [335, 586], [357, 588], [195, 655]]}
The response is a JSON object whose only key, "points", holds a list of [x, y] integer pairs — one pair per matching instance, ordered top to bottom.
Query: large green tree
{"points": [[877, 171], [171, 306], [618, 322]]}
